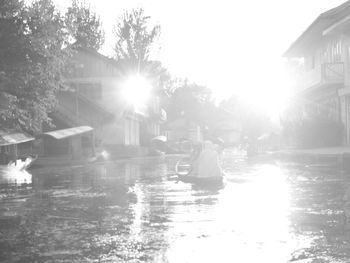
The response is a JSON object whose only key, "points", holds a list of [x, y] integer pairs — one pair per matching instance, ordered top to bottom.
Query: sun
{"points": [[136, 90]]}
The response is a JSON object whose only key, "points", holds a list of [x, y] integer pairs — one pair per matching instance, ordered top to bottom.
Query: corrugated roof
{"points": [[65, 133], [14, 137]]}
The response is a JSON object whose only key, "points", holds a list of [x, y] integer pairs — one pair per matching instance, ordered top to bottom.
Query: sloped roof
{"points": [[314, 32], [96, 54], [65, 133], [8, 137]]}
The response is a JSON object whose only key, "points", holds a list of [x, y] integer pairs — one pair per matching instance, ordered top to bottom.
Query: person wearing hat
{"points": [[208, 162]]}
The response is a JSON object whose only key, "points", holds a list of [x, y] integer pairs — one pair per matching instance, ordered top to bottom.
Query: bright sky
{"points": [[233, 47]]}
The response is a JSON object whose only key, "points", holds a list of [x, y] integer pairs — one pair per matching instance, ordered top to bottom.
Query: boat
{"points": [[184, 169], [198, 180]]}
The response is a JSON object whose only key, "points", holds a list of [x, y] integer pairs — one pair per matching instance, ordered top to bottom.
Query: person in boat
{"points": [[219, 146], [194, 158], [208, 162]]}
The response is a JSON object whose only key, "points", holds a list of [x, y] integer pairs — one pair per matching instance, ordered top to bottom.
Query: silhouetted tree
{"points": [[85, 25], [135, 36], [33, 50], [189, 100], [312, 126]]}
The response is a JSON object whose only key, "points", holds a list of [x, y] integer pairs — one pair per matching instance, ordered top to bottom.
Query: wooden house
{"points": [[324, 49], [93, 96]]}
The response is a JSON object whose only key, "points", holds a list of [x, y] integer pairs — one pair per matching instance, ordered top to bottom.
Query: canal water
{"points": [[137, 211]]}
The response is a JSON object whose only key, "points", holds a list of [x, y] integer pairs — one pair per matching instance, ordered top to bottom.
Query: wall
{"points": [[132, 131], [112, 133]]}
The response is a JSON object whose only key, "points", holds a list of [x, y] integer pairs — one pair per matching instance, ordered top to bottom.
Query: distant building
{"points": [[324, 47], [183, 129], [229, 131]]}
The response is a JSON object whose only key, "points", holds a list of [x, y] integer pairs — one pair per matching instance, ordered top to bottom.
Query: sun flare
{"points": [[136, 90]]}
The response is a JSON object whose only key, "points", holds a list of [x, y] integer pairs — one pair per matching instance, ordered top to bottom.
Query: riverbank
{"points": [[330, 151], [335, 156], [66, 161]]}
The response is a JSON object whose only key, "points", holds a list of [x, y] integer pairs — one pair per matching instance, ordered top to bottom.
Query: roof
{"points": [[315, 31], [96, 54], [65, 133], [14, 137]]}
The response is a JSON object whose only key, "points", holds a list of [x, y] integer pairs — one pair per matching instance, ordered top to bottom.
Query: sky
{"points": [[233, 47]]}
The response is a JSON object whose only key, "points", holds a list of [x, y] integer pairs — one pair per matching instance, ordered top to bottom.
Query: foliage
{"points": [[85, 25], [135, 36], [33, 49], [193, 103], [254, 123], [312, 126], [314, 131]]}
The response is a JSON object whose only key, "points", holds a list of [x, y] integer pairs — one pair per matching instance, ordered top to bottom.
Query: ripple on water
{"points": [[267, 211]]}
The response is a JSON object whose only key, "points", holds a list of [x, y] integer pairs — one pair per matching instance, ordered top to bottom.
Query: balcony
{"points": [[324, 74]]}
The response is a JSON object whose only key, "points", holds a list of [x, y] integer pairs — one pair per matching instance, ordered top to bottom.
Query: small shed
{"points": [[77, 141], [14, 144]]}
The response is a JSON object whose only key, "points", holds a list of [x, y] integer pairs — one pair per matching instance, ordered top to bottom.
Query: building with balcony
{"points": [[324, 49]]}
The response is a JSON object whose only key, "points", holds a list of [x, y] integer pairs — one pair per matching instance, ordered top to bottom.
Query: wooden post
{"points": [[76, 106], [93, 150], [15, 151], [341, 161]]}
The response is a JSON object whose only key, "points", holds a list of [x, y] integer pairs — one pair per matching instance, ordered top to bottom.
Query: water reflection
{"points": [[12, 176], [137, 212], [249, 223]]}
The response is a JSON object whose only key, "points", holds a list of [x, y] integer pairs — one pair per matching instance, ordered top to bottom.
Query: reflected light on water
{"points": [[11, 175], [138, 209], [140, 214], [249, 223]]}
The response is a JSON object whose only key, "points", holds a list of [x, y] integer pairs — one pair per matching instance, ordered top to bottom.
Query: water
{"points": [[136, 211]]}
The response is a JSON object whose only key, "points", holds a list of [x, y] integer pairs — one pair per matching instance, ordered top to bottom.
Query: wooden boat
{"points": [[183, 166], [183, 170], [200, 180]]}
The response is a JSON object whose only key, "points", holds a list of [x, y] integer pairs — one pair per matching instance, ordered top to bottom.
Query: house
{"points": [[324, 49], [93, 96], [155, 116]]}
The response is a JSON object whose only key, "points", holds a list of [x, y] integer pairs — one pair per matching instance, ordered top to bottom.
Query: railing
{"points": [[333, 72], [326, 73], [94, 104], [78, 110], [65, 116]]}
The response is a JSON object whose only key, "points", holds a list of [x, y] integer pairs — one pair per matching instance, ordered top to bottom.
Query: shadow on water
{"points": [[134, 211]]}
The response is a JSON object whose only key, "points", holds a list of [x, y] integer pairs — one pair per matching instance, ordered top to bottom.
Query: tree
{"points": [[85, 25], [135, 36], [33, 51], [190, 101], [254, 123], [311, 125]]}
